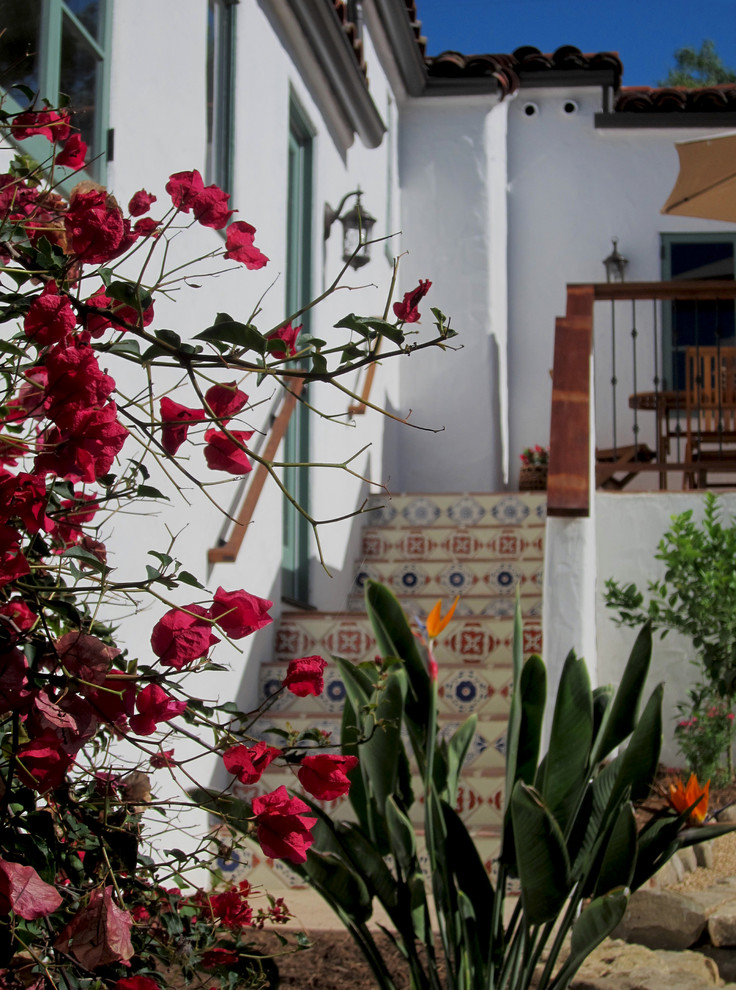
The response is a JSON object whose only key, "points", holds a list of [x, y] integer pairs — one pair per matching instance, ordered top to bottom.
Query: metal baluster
{"points": [[634, 338], [614, 380], [660, 411]]}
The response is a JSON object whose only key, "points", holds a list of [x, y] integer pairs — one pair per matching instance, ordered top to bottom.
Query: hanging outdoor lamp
{"points": [[357, 227], [615, 264]]}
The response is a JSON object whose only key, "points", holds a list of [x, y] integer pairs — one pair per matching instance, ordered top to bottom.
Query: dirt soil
{"points": [[334, 963]]}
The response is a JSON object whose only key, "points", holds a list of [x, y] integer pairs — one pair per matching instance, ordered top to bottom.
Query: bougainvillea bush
{"points": [[92, 736]]}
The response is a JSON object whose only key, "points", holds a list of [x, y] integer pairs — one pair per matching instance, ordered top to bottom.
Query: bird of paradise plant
{"points": [[691, 799]]}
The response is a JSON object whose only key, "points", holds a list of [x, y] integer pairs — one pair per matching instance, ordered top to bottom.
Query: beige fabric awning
{"points": [[706, 185]]}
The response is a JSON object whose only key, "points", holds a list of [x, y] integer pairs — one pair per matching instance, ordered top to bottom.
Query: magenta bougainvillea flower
{"points": [[49, 123], [73, 153], [140, 203], [94, 227], [239, 246], [406, 310], [50, 317], [289, 335], [225, 400], [175, 421], [223, 453], [239, 613], [182, 636], [304, 676], [154, 705], [247, 763], [325, 775], [283, 830], [23, 891]]}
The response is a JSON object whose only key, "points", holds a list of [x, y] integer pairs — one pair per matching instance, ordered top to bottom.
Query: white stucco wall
{"points": [[453, 175], [572, 188], [628, 530]]}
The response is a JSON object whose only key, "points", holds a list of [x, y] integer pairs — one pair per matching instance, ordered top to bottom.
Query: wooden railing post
{"points": [[568, 480]]}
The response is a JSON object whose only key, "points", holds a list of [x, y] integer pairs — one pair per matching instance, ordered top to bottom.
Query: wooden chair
{"points": [[710, 411]]}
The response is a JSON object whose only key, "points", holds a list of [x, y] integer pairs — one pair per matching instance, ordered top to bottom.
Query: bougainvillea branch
{"points": [[86, 895]]}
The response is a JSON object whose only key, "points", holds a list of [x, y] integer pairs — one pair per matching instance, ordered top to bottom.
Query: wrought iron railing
{"points": [[653, 416]]}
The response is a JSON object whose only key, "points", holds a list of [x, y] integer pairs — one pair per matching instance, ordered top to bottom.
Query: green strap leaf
{"points": [[533, 700], [623, 712], [566, 767], [402, 838], [541, 856], [619, 860], [597, 921]]}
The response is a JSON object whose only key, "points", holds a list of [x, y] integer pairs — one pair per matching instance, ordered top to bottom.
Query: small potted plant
{"points": [[534, 466]]}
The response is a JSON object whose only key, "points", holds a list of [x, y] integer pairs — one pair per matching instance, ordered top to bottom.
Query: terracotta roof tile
{"points": [[351, 31], [509, 69], [676, 99]]}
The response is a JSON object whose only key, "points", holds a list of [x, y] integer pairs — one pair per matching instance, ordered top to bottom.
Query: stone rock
{"points": [[727, 815], [703, 853], [687, 858], [671, 872], [709, 899], [661, 919], [722, 925], [725, 960], [616, 965]]}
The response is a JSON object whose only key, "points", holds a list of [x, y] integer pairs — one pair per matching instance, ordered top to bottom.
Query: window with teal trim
{"points": [[59, 48], [220, 91]]}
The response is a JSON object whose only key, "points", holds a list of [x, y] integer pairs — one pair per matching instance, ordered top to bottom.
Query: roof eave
{"points": [[409, 59], [337, 61], [564, 78], [462, 86], [674, 119]]}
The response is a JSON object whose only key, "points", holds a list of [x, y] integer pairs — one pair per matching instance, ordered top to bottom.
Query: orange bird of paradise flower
{"points": [[436, 622], [681, 798]]}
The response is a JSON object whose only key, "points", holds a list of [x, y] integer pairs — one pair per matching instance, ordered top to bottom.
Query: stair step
{"points": [[466, 510], [453, 544], [437, 578], [477, 640], [463, 689], [486, 751]]}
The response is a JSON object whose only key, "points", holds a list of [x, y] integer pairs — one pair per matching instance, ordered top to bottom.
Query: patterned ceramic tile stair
{"points": [[425, 547]]}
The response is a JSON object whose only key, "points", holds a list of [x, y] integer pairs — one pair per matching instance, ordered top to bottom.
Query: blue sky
{"points": [[645, 33]]}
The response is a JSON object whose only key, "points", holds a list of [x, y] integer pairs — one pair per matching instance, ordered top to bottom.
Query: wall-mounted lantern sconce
{"points": [[357, 227], [615, 264]]}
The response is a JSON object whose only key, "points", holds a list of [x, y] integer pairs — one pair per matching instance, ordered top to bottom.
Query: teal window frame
{"points": [[52, 19], [221, 55], [721, 312], [295, 583]]}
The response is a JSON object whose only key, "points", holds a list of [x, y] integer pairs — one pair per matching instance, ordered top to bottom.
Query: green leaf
{"points": [[130, 294], [364, 325], [243, 335], [129, 345], [319, 364], [147, 491], [89, 559], [184, 577], [394, 638], [533, 699], [624, 710], [456, 750], [639, 761], [566, 766], [402, 837], [541, 856], [619, 860], [372, 864], [330, 874], [470, 874], [596, 921]]}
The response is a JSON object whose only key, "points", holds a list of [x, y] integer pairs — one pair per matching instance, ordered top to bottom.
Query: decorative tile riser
{"points": [[470, 510], [440, 544], [436, 579], [419, 606], [470, 640], [463, 689], [486, 750]]}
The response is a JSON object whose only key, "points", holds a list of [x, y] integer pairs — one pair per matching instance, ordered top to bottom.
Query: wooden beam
{"points": [[687, 289], [568, 481], [228, 552]]}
